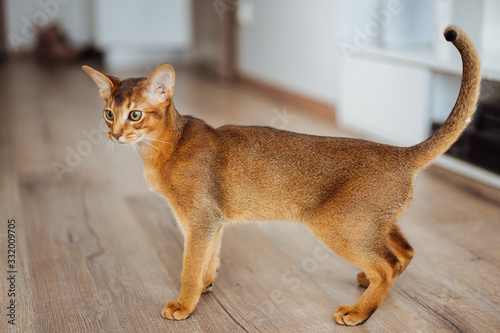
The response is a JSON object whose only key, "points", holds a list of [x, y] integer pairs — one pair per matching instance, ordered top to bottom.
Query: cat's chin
{"points": [[120, 142], [123, 142], [128, 143]]}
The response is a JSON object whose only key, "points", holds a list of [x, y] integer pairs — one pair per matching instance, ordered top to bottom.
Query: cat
{"points": [[349, 192]]}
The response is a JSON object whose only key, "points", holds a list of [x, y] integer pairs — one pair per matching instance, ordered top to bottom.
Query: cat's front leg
{"points": [[200, 244], [213, 267]]}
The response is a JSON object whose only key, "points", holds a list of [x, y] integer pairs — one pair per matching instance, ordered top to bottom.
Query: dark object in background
{"points": [[53, 46], [480, 143]]}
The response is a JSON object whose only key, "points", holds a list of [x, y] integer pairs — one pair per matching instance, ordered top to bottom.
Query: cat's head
{"points": [[135, 108]]}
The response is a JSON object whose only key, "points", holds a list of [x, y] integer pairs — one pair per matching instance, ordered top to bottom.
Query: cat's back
{"points": [[258, 142]]}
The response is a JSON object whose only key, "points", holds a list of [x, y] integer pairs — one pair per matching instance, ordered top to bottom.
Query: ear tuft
{"points": [[103, 81], [159, 87]]}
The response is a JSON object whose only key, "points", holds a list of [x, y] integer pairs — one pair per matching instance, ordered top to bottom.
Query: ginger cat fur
{"points": [[349, 192]]}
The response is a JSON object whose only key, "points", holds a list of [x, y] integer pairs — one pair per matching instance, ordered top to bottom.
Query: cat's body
{"points": [[235, 158], [349, 192]]}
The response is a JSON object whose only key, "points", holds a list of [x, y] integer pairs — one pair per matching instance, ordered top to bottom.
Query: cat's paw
{"points": [[363, 279], [209, 280], [207, 288], [175, 311], [349, 316]]}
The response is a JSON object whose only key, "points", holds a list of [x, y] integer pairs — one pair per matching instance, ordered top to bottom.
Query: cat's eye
{"points": [[109, 115], [135, 115]]}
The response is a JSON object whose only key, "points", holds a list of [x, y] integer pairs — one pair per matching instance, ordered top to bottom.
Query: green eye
{"points": [[109, 115], [135, 115]]}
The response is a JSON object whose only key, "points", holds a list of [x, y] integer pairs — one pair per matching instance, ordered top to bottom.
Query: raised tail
{"points": [[465, 106]]}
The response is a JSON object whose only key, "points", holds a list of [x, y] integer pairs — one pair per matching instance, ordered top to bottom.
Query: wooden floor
{"points": [[96, 251]]}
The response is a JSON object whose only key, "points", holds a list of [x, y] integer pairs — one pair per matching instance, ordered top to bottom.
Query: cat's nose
{"points": [[117, 136]]}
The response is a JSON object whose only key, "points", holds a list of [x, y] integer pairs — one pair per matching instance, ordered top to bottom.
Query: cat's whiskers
{"points": [[148, 138], [144, 139], [101, 146], [134, 148], [108, 149], [140, 149]]}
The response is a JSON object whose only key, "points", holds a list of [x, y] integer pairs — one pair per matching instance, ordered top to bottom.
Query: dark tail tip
{"points": [[450, 35]]}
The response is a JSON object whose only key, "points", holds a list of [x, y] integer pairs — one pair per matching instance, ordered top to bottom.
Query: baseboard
{"points": [[285, 96], [468, 170]]}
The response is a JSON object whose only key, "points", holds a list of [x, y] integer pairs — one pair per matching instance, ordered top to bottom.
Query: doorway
{"points": [[214, 36]]}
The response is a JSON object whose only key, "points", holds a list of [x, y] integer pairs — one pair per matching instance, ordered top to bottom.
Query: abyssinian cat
{"points": [[349, 192]]}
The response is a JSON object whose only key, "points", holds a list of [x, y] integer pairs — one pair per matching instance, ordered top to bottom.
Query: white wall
{"points": [[24, 17], [146, 22], [491, 28], [136, 33], [293, 44]]}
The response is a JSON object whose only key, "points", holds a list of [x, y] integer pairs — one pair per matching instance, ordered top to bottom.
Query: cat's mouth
{"points": [[122, 140], [140, 142]]}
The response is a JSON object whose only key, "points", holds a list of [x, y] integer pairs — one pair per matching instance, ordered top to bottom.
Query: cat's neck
{"points": [[158, 149]]}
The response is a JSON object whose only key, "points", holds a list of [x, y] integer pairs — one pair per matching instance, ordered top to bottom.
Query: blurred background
{"points": [[378, 69]]}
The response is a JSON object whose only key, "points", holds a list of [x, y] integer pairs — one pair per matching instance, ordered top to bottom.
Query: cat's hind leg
{"points": [[398, 244], [367, 247], [382, 270]]}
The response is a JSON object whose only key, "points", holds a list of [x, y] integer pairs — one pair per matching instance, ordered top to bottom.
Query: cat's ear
{"points": [[103, 81], [159, 87]]}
